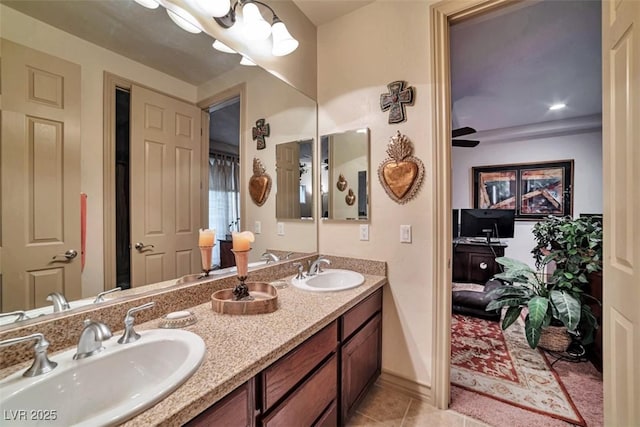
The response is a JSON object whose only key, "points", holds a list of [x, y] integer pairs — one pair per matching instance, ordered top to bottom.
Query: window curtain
{"points": [[224, 196]]}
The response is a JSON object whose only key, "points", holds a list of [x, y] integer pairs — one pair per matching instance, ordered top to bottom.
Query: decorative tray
{"points": [[265, 300]]}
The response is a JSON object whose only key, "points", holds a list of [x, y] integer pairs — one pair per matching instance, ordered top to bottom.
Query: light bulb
{"points": [[149, 4], [215, 8], [184, 20], [254, 25], [283, 42], [218, 45], [247, 61]]}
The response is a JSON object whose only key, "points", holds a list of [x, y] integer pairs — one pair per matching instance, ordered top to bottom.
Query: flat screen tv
{"points": [[455, 219], [491, 224]]}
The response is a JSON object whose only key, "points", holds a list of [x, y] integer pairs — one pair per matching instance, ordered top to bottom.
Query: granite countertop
{"points": [[239, 347]]}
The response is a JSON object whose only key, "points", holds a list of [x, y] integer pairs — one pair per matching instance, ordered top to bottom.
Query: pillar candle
{"points": [[207, 237], [242, 241]]}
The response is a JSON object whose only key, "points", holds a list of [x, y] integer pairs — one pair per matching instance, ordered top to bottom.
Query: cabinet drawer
{"points": [[359, 314], [283, 375], [308, 403]]}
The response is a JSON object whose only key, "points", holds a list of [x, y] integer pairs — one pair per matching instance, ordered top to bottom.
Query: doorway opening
{"points": [[526, 62], [224, 177], [122, 179]]}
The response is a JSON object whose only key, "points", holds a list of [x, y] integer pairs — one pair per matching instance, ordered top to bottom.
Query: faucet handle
{"points": [[300, 267], [100, 296], [21, 315], [130, 335], [41, 363]]}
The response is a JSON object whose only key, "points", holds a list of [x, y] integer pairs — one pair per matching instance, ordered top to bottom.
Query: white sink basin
{"points": [[330, 280], [107, 388]]}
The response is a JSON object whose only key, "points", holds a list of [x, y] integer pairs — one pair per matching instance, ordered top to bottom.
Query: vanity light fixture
{"points": [[149, 4], [215, 8], [184, 20], [256, 28], [218, 45], [247, 61], [558, 106]]}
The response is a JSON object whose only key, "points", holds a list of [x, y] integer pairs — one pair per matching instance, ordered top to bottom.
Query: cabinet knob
{"points": [[483, 266]]}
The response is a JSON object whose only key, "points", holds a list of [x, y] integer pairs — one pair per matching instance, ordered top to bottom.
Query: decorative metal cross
{"points": [[395, 100], [259, 132]]}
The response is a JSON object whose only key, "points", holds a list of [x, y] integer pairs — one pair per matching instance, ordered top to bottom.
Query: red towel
{"points": [[83, 228]]}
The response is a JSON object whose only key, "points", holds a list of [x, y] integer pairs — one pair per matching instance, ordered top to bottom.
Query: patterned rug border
{"points": [[579, 422]]}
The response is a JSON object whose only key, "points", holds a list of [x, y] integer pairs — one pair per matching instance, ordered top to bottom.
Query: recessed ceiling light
{"points": [[558, 106]]}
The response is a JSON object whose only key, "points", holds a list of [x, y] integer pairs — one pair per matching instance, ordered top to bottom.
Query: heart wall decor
{"points": [[401, 174], [259, 183]]}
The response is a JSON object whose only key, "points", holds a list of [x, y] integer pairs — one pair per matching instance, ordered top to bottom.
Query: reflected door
{"points": [[40, 178], [288, 180], [165, 187]]}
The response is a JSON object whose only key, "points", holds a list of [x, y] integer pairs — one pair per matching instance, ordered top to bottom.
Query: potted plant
{"points": [[575, 245], [548, 302]]}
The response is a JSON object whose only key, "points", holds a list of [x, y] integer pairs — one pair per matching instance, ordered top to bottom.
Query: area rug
{"points": [[501, 365]]}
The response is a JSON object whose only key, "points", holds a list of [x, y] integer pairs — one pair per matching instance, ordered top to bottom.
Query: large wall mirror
{"points": [[144, 46], [345, 175], [294, 178]]}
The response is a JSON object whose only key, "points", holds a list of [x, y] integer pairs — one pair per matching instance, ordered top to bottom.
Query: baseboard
{"points": [[404, 385]]}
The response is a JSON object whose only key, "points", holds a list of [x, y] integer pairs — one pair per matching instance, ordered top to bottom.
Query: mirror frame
{"points": [[329, 185]]}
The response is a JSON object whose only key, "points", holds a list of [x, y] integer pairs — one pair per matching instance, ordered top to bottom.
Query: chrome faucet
{"points": [[270, 257], [315, 266], [100, 297], [59, 302], [21, 315], [130, 335], [91, 338], [41, 363]]}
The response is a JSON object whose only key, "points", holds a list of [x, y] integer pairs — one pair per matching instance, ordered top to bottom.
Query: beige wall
{"points": [[358, 55], [94, 61], [291, 117]]}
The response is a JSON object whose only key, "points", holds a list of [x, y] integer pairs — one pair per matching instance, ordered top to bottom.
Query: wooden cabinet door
{"points": [[361, 364]]}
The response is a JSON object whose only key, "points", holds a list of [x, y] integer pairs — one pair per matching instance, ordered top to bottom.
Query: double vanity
{"points": [[309, 362]]}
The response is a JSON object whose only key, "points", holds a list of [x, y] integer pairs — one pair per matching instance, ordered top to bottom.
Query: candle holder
{"points": [[205, 256], [241, 291]]}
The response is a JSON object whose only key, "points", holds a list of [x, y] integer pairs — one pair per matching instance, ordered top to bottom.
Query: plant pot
{"points": [[554, 338]]}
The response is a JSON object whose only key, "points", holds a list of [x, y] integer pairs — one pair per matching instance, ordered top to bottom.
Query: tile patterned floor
{"points": [[384, 407]]}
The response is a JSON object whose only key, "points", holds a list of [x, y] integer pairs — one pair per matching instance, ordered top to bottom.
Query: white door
{"points": [[621, 142], [40, 174], [165, 187]]}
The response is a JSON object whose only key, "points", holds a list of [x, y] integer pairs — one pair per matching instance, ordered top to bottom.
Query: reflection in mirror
{"points": [[79, 36], [344, 175], [294, 180]]}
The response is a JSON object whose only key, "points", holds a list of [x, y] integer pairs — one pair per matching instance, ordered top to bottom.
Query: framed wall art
{"points": [[534, 190]]}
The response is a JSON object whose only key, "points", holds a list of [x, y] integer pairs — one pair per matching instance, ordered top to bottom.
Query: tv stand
{"points": [[474, 262]]}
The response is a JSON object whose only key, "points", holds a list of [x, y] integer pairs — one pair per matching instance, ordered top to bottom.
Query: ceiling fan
{"points": [[463, 142]]}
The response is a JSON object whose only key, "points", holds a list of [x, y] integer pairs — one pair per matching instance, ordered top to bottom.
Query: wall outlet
{"points": [[280, 226], [257, 227], [364, 232], [405, 234]]}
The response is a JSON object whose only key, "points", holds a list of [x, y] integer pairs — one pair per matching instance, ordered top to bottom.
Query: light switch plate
{"points": [[280, 226], [257, 227], [364, 232], [405, 234]]}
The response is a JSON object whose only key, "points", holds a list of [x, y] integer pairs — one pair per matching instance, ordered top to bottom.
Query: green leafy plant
{"points": [[575, 245], [545, 301]]}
